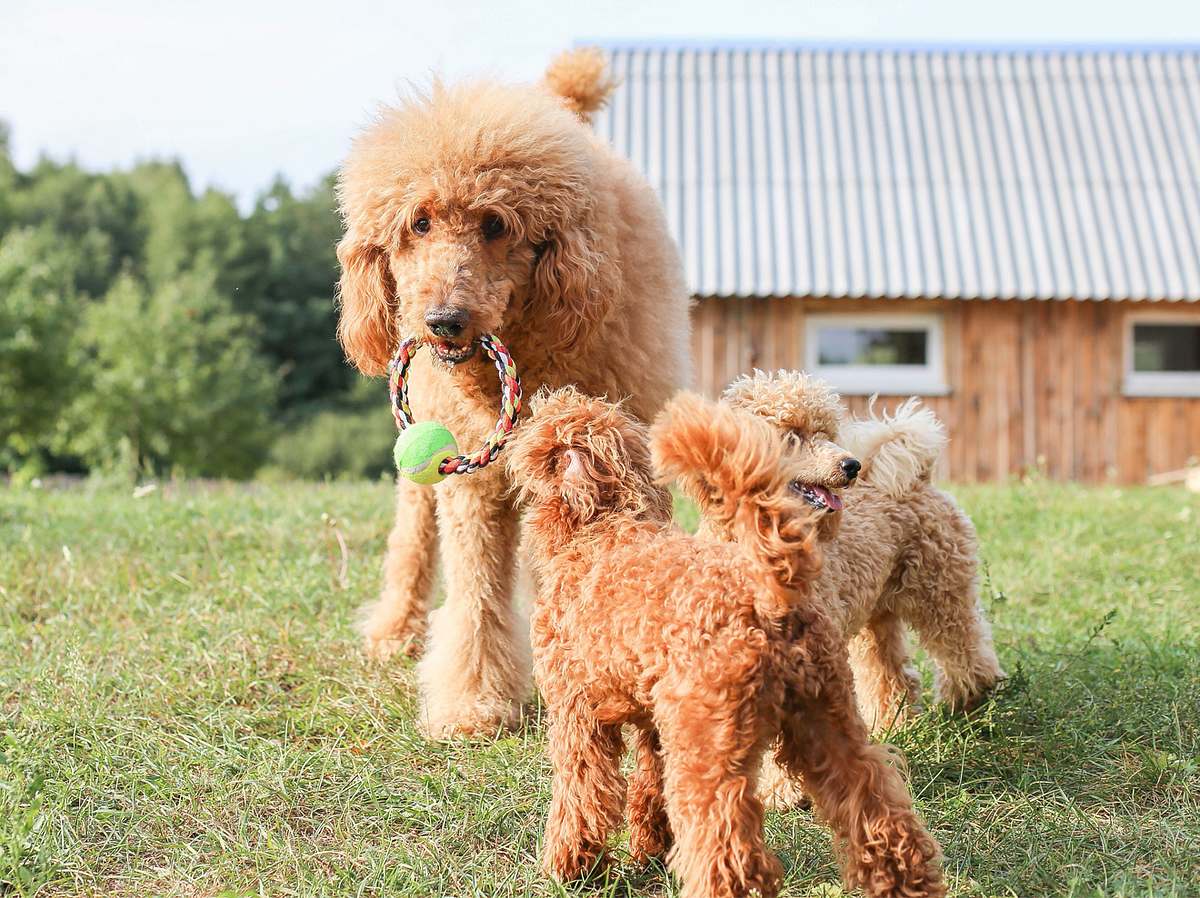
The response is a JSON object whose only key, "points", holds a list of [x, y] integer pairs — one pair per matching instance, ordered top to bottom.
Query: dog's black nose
{"points": [[445, 321], [851, 467]]}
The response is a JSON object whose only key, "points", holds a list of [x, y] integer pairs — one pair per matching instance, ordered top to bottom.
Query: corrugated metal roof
{"points": [[1046, 173]]}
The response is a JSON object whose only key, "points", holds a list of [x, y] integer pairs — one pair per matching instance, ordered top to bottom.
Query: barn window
{"points": [[888, 354], [1162, 357]]}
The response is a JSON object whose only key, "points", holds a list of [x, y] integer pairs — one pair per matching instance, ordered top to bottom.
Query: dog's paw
{"points": [[387, 633], [384, 648], [968, 696], [481, 721], [780, 792], [648, 843], [572, 863]]}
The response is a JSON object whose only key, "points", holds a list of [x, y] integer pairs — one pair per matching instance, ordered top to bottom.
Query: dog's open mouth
{"points": [[451, 353], [820, 497]]}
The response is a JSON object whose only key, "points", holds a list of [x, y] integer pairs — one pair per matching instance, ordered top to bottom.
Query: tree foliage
{"points": [[291, 293], [37, 302], [142, 319], [175, 381]]}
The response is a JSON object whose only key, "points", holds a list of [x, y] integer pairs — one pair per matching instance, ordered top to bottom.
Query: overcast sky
{"points": [[242, 90]]}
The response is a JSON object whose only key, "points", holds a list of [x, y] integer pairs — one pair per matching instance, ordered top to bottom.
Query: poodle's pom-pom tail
{"points": [[581, 78], [899, 450], [718, 454], [735, 466]]}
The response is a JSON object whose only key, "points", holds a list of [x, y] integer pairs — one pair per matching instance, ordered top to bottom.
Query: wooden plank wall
{"points": [[1032, 384]]}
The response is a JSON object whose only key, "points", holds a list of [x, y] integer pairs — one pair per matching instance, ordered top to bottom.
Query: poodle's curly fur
{"points": [[493, 207], [902, 552], [708, 649]]}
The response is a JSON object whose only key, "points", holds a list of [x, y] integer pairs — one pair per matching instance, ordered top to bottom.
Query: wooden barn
{"points": [[1012, 233]]}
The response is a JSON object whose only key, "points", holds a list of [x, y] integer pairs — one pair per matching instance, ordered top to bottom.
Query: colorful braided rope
{"points": [[510, 401]]}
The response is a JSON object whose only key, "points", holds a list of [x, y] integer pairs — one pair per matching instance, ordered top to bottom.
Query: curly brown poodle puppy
{"points": [[480, 208], [901, 554], [637, 622]]}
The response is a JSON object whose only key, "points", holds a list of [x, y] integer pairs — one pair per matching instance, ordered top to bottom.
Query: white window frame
{"points": [[886, 380], [1180, 384]]}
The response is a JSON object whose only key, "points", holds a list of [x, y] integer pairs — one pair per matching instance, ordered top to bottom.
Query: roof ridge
{"points": [[863, 46]]}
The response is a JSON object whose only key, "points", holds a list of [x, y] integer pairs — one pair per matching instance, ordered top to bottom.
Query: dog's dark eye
{"points": [[421, 224], [492, 227]]}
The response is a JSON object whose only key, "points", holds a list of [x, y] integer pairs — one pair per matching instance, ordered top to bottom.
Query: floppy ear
{"points": [[575, 282], [366, 326], [574, 475], [578, 485]]}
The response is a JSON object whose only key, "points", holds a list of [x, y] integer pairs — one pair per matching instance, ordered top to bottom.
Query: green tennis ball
{"points": [[421, 448]]}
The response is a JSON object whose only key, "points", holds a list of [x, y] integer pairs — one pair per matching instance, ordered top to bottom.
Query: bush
{"points": [[172, 381], [354, 443]]}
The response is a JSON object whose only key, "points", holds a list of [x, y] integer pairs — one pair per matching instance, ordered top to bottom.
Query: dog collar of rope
{"points": [[510, 404]]}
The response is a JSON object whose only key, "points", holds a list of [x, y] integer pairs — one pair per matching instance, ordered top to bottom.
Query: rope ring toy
{"points": [[426, 452]]}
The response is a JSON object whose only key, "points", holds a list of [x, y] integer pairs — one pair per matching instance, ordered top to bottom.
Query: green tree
{"points": [[8, 180], [99, 216], [184, 232], [113, 264], [292, 295], [38, 305], [174, 381], [352, 438]]}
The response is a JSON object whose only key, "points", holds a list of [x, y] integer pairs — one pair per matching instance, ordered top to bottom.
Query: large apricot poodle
{"points": [[487, 207], [708, 649]]}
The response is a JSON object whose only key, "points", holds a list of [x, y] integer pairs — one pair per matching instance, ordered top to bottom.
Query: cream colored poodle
{"points": [[902, 553]]}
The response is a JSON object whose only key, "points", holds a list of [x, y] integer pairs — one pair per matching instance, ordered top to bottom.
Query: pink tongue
{"points": [[833, 501]]}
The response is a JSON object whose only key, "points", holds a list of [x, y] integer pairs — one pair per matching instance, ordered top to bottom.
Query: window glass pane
{"points": [[871, 346], [1166, 347]]}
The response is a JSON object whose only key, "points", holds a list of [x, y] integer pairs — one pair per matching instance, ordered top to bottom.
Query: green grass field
{"points": [[184, 710]]}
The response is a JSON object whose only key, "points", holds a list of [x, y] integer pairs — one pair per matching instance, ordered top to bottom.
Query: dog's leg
{"points": [[941, 601], [396, 621], [952, 627], [959, 640], [475, 673], [885, 682], [711, 751], [779, 790], [587, 791], [649, 827], [886, 849]]}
